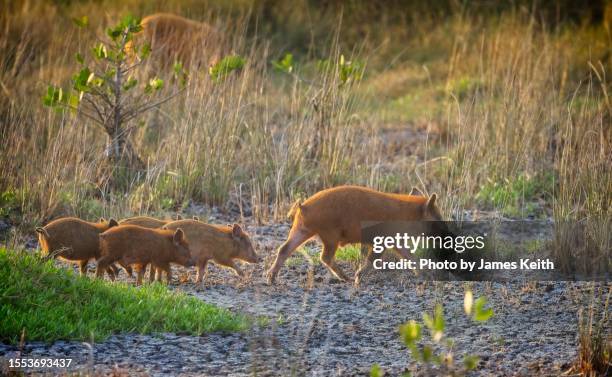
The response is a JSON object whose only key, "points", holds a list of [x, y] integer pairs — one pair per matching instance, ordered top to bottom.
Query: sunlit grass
{"points": [[47, 303]]}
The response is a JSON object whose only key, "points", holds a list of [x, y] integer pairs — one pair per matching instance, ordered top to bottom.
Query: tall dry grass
{"points": [[497, 99]]}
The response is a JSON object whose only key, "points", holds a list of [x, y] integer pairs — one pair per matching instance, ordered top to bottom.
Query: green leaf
{"points": [[81, 21], [131, 23], [114, 32], [100, 51], [145, 51], [79, 58], [285, 64], [226, 66], [349, 71], [180, 73], [82, 79], [130, 83], [154, 85], [52, 97], [74, 101], [481, 313], [435, 324], [410, 332], [427, 354], [470, 362], [376, 371]]}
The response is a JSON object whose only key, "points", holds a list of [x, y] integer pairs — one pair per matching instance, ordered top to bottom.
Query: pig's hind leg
{"points": [[297, 236], [327, 258], [104, 265], [366, 265], [126, 267]]}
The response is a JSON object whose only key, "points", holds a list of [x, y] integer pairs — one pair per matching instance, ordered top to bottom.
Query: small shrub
{"points": [[423, 351]]}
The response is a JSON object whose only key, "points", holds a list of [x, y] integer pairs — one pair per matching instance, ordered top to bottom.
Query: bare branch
{"points": [[133, 66], [93, 104], [136, 111]]}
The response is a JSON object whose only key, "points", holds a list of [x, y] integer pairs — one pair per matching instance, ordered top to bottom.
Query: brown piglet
{"points": [[336, 215], [146, 222], [75, 240], [218, 243], [132, 244]]}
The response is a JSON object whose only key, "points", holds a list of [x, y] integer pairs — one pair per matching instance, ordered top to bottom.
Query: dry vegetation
{"points": [[469, 106]]}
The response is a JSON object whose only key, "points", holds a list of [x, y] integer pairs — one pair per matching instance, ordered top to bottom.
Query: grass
{"points": [[493, 109], [518, 196], [349, 253], [47, 303], [595, 349]]}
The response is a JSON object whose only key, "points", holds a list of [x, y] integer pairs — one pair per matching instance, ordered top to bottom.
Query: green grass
{"points": [[517, 196], [351, 253], [49, 303]]}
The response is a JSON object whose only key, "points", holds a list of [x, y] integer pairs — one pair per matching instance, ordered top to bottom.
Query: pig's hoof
{"points": [[271, 277]]}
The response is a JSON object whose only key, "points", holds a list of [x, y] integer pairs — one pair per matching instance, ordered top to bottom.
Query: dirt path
{"points": [[320, 327]]}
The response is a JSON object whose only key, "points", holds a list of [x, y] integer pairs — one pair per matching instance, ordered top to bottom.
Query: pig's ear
{"points": [[416, 192], [431, 202], [179, 217], [196, 218], [102, 220], [112, 222], [236, 230], [42, 231], [178, 235]]}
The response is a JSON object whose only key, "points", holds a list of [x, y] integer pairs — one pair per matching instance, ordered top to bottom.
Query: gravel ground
{"points": [[318, 326]]}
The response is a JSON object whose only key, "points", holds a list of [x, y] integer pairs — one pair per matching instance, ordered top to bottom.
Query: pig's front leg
{"points": [[231, 264], [83, 267], [163, 267], [201, 271], [140, 274]]}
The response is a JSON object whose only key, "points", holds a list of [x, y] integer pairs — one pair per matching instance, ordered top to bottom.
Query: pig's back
{"points": [[357, 204], [143, 221], [74, 233], [204, 239], [130, 240]]}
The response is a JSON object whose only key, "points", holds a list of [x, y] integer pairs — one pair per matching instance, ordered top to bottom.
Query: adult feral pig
{"points": [[335, 215], [75, 240], [219, 243], [132, 244]]}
